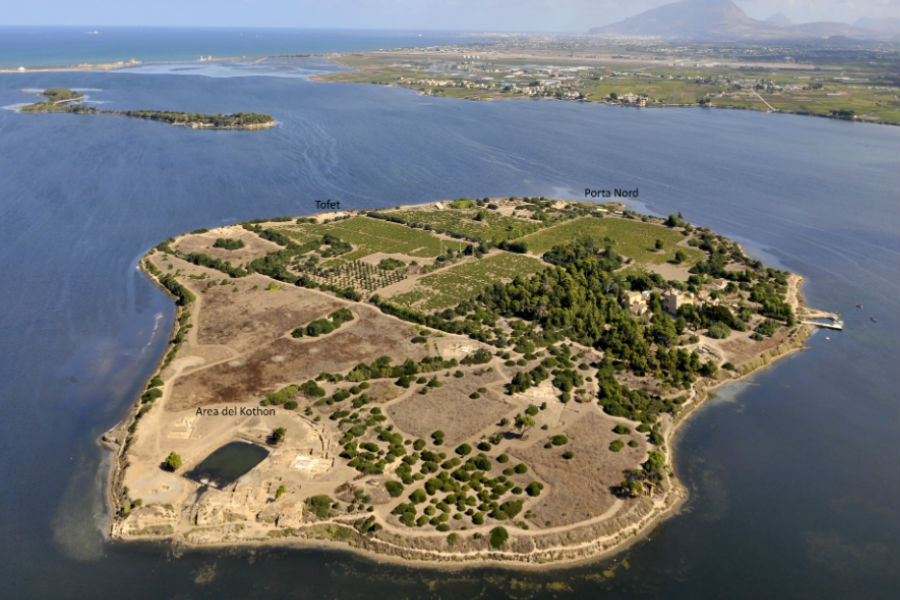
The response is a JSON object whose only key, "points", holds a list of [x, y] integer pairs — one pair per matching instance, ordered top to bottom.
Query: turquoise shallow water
{"points": [[794, 474]]}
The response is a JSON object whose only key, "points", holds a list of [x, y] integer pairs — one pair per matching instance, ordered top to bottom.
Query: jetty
{"points": [[820, 318]]}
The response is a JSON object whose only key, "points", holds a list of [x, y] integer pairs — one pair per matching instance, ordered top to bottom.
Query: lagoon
{"points": [[793, 474]]}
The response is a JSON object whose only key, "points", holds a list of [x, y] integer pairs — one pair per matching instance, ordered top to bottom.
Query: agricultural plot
{"points": [[463, 223], [369, 236], [634, 239], [359, 275], [451, 286]]}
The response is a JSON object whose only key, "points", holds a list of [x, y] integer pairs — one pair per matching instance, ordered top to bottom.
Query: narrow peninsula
{"points": [[70, 101], [491, 380]]}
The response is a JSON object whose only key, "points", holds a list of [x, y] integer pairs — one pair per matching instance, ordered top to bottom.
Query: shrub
{"points": [[621, 429], [278, 435], [559, 440], [616, 445], [463, 449], [568, 454], [394, 488]]}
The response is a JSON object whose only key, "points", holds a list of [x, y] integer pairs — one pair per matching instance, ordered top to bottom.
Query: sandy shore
{"points": [[79, 67]]}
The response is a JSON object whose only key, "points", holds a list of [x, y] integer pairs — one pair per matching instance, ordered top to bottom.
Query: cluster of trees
{"points": [[235, 120], [228, 243], [204, 260], [390, 264], [323, 326], [382, 368]]}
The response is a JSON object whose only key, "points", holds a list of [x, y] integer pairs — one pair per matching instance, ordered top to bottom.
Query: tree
{"points": [[658, 244], [680, 256], [718, 330], [523, 421], [172, 462], [631, 487], [534, 488], [319, 505], [499, 535]]}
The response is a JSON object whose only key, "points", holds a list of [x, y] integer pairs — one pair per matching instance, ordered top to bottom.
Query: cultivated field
{"points": [[462, 222], [632, 238], [448, 287]]}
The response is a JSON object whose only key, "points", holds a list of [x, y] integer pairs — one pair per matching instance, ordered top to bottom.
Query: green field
{"points": [[666, 91], [461, 222], [369, 236], [634, 239], [451, 286]]}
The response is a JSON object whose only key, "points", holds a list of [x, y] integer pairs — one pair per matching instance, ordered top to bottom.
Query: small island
{"points": [[70, 101], [490, 380]]}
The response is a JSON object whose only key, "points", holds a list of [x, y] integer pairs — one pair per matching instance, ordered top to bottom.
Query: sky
{"points": [[469, 15]]}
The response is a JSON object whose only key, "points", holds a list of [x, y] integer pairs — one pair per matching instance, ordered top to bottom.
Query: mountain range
{"points": [[724, 20]]}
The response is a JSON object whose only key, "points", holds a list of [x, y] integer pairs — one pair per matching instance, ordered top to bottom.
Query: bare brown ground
{"points": [[254, 246], [668, 271], [251, 317], [739, 348], [287, 360], [450, 409], [579, 488]]}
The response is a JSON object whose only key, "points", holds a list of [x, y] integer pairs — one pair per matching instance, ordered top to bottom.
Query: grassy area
{"points": [[665, 91], [492, 227], [369, 236], [634, 239], [451, 286]]}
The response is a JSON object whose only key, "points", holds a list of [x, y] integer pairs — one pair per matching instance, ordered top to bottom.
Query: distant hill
{"points": [[724, 20], [779, 20], [888, 26]]}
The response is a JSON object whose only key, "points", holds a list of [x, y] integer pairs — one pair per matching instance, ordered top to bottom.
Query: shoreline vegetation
{"points": [[60, 100], [541, 356]]}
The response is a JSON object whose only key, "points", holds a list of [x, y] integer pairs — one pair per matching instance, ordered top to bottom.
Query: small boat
{"points": [[859, 305], [873, 319]]}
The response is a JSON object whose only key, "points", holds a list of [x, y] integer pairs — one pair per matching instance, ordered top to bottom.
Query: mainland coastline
{"points": [[332, 477]]}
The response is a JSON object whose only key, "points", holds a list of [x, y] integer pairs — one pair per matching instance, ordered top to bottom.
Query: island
{"points": [[70, 101], [467, 381]]}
